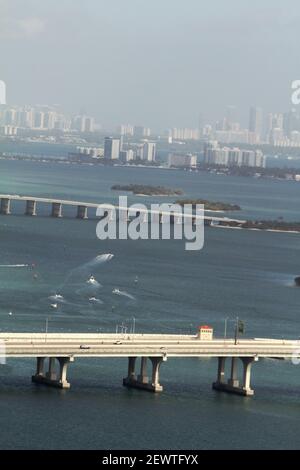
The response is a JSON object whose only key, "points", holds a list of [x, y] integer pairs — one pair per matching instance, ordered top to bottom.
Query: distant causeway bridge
{"points": [[31, 208], [54, 352]]}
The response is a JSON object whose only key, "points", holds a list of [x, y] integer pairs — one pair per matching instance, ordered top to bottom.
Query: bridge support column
{"points": [[5, 206], [30, 208], [56, 209], [82, 212], [156, 363], [247, 364], [40, 365], [131, 368], [221, 370], [51, 374], [50, 378], [142, 380], [233, 381], [233, 385]]}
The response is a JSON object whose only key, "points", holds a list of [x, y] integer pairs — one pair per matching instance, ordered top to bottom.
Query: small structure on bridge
{"points": [[206, 333]]}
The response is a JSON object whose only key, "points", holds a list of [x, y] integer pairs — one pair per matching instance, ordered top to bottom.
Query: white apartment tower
{"points": [[111, 148]]}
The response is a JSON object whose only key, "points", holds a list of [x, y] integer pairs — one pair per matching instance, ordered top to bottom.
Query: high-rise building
{"points": [[2, 92], [11, 117], [25, 118], [39, 120], [49, 120], [256, 121], [83, 123], [89, 124], [8, 130], [125, 130], [140, 131], [184, 134], [111, 148], [149, 152], [126, 155], [216, 155], [182, 160]]}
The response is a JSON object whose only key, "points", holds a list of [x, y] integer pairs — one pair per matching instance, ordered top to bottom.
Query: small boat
{"points": [[91, 280], [297, 281], [117, 291], [58, 297], [54, 306]]}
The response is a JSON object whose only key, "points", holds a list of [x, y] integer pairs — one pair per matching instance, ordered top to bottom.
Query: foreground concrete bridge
{"points": [[31, 205], [61, 349]]}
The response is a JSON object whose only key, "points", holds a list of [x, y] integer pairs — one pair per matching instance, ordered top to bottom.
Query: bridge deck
{"points": [[16, 197], [116, 345]]}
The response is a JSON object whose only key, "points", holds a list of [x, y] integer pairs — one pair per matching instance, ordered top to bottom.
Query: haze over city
{"points": [[150, 62]]}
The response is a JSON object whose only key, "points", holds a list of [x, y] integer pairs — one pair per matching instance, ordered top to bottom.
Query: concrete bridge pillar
{"points": [[5, 206], [30, 208], [56, 209], [82, 212], [156, 363], [247, 364], [40, 365], [63, 368], [131, 368], [221, 369], [51, 374], [143, 377], [52, 378], [142, 380], [233, 381], [233, 385]]}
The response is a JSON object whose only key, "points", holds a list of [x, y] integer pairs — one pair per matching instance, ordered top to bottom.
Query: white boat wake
{"points": [[14, 265], [123, 294], [96, 301]]}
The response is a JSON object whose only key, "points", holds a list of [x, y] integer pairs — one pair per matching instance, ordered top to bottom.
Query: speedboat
{"points": [[91, 280], [116, 291], [58, 297], [54, 306]]}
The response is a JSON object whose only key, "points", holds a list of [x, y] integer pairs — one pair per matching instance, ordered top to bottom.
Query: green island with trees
{"points": [[147, 190], [210, 205]]}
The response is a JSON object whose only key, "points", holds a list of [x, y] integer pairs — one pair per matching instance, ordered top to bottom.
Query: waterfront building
{"points": [[111, 148], [149, 151], [126, 155], [182, 160]]}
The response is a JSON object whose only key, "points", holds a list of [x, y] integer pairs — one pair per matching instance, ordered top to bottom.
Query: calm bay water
{"points": [[243, 273]]}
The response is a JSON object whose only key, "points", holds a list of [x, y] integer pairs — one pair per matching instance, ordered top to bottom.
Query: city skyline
{"points": [[256, 120], [277, 128]]}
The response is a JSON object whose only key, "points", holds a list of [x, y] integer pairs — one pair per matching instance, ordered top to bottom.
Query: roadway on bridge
{"points": [[65, 202], [136, 345]]}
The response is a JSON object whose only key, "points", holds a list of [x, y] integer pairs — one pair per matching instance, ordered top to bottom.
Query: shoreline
{"points": [[257, 229]]}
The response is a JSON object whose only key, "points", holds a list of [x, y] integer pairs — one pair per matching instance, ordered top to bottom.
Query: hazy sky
{"points": [[156, 62]]}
